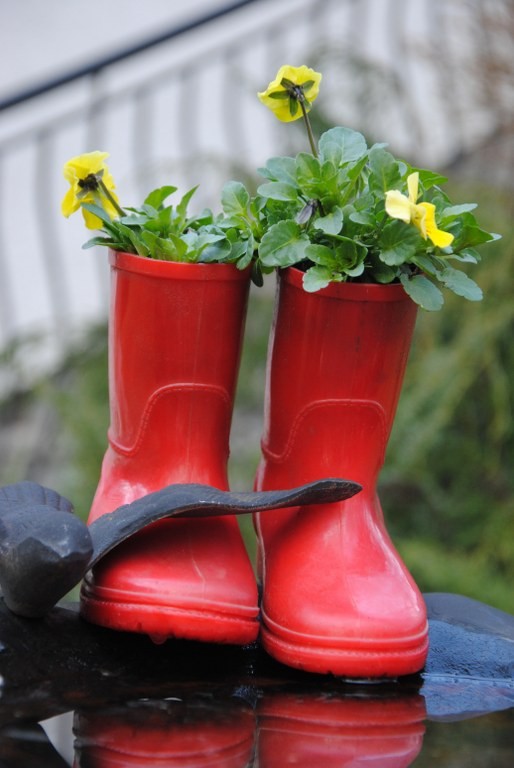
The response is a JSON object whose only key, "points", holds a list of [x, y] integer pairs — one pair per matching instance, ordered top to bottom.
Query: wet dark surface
{"points": [[71, 692], [189, 704]]}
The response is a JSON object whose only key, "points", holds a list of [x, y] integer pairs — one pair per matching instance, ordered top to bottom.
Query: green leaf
{"points": [[307, 85], [279, 95], [342, 145], [308, 167], [282, 169], [354, 171], [385, 173], [429, 178], [278, 190], [158, 196], [235, 199], [184, 202], [364, 203], [257, 205], [457, 210], [148, 211], [102, 215], [363, 218], [168, 219], [201, 219], [134, 220], [232, 222], [332, 223], [126, 234], [471, 235], [105, 241], [397, 243], [283, 244], [136, 246], [179, 247], [160, 248], [237, 249], [215, 250], [246, 254], [322, 255], [350, 255], [469, 255], [425, 263], [356, 271], [381, 272], [257, 277], [316, 278], [461, 284], [423, 292]]}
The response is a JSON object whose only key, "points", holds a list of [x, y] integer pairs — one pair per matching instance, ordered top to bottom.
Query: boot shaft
{"points": [[175, 335], [336, 362]]}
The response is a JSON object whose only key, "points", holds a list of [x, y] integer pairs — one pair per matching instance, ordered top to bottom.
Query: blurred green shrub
{"points": [[448, 484]]}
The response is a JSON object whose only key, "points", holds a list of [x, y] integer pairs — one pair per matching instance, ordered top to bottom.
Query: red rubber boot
{"points": [[175, 334], [336, 595], [314, 729]]}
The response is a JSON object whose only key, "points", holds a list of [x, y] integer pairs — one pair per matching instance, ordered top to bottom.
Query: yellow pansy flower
{"points": [[293, 86], [90, 182], [422, 215]]}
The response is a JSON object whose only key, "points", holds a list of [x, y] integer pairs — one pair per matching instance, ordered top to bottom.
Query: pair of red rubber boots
{"points": [[336, 595]]}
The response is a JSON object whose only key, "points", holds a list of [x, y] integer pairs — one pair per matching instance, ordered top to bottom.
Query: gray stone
{"points": [[44, 548], [470, 665]]}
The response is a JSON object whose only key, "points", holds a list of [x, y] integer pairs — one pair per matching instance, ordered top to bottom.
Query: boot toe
{"points": [[186, 579], [329, 608]]}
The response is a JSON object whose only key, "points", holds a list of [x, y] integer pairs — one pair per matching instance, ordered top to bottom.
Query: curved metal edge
{"points": [[195, 500]]}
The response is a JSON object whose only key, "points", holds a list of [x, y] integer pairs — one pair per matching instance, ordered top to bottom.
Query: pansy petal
{"points": [[280, 108], [282, 111], [82, 165], [412, 186], [69, 204], [398, 206], [109, 207], [418, 218], [92, 221], [438, 236], [441, 238]]}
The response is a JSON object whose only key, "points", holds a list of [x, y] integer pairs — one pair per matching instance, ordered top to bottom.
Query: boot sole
{"points": [[163, 622], [404, 656]]}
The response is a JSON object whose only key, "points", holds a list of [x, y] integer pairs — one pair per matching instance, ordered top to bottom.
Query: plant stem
{"points": [[310, 134], [110, 198]]}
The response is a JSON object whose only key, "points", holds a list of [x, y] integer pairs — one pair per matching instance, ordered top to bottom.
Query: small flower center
{"points": [[297, 92], [90, 184]]}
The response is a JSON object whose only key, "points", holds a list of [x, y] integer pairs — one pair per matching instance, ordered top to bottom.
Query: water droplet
{"points": [[158, 639]]}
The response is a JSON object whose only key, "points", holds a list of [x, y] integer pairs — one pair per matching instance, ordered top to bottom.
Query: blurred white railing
{"points": [[431, 77]]}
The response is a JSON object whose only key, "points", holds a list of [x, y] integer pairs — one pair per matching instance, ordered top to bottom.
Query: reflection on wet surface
{"points": [[77, 694], [299, 729], [312, 729]]}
